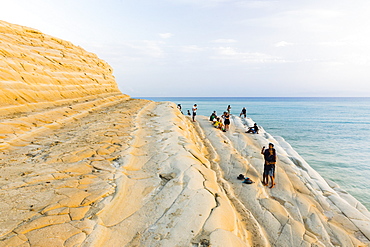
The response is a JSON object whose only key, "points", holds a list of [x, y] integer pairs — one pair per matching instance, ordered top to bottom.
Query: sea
{"points": [[331, 134]]}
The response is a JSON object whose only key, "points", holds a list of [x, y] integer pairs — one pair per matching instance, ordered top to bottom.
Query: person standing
{"points": [[179, 107], [194, 109], [228, 109], [244, 112], [227, 121], [269, 166]]}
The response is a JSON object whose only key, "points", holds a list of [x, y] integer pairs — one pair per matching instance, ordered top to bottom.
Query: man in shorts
{"points": [[269, 167]]}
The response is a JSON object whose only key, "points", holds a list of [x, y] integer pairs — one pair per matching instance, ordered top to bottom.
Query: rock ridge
{"points": [[36, 69], [84, 165], [149, 176]]}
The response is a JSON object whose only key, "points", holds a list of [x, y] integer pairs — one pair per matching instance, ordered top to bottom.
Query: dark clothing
{"points": [[227, 120], [268, 157], [269, 167], [266, 169], [269, 170]]}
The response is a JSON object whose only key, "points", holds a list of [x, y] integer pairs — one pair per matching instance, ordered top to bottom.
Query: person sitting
{"points": [[213, 116], [218, 123], [253, 130]]}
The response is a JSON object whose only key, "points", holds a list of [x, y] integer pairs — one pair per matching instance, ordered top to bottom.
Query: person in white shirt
{"points": [[194, 109]]}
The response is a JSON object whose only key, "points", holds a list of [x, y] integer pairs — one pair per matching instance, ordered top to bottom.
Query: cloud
{"points": [[204, 3], [257, 4], [304, 20], [165, 35], [224, 41], [333, 43], [283, 44], [191, 48], [138, 50], [229, 53]]}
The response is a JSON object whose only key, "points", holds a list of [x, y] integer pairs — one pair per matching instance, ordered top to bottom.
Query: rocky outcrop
{"points": [[36, 69], [46, 82], [83, 165], [148, 176]]}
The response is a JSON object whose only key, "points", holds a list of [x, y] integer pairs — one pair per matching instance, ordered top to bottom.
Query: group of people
{"points": [[194, 111], [222, 123]]}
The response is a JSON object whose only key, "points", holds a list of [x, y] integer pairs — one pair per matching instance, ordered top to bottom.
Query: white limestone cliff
{"points": [[83, 165]]}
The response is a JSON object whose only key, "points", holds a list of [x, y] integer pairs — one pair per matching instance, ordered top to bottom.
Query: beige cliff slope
{"points": [[38, 68], [41, 77], [83, 166]]}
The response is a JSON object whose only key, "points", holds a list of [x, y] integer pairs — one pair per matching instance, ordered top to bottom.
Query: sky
{"points": [[219, 48]]}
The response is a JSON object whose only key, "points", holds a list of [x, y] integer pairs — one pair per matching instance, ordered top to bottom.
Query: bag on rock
{"points": [[247, 181]]}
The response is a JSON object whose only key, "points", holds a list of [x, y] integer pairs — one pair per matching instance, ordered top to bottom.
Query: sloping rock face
{"points": [[38, 68], [46, 82], [83, 165], [139, 173]]}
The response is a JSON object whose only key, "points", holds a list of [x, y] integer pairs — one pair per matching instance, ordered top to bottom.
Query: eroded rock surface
{"points": [[38, 68], [46, 82], [83, 165], [139, 173]]}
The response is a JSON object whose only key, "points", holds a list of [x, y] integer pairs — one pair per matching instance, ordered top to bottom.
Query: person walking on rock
{"points": [[194, 109], [244, 112], [269, 166]]}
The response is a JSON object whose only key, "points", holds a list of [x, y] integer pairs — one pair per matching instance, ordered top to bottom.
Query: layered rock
{"points": [[36, 68], [46, 81], [84, 165], [147, 176]]}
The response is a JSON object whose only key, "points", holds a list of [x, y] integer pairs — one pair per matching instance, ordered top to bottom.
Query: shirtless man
{"points": [[269, 167]]}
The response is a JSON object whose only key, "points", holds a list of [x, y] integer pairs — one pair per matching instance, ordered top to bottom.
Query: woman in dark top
{"points": [[227, 121]]}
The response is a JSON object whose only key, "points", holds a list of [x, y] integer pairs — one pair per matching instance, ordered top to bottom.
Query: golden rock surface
{"points": [[83, 165]]}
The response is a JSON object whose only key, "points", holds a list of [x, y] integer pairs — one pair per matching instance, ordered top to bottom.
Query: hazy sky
{"points": [[215, 47]]}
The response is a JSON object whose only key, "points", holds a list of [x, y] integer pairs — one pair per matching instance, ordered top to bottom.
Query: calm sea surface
{"points": [[331, 134]]}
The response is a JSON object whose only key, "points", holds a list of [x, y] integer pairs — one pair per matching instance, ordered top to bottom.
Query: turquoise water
{"points": [[331, 134]]}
